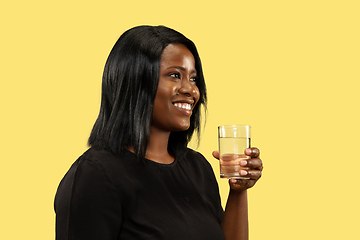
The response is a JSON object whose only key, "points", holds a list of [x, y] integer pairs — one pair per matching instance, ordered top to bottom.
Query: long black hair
{"points": [[129, 86]]}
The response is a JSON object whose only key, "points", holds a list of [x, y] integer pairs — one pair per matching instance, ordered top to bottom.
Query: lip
{"points": [[182, 110]]}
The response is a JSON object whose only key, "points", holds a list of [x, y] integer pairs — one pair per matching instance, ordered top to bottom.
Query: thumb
{"points": [[215, 154]]}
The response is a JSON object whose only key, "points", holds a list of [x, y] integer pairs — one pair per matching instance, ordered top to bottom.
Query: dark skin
{"points": [[177, 85], [176, 96], [235, 220]]}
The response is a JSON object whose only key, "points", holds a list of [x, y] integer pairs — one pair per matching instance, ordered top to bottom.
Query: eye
{"points": [[175, 75], [194, 79]]}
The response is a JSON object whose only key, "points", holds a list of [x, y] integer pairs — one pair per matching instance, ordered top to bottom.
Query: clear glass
{"points": [[233, 140]]}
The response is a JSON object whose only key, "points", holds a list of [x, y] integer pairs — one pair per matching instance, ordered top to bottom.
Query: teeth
{"points": [[185, 106]]}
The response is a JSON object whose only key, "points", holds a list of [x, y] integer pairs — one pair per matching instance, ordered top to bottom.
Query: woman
{"points": [[139, 180]]}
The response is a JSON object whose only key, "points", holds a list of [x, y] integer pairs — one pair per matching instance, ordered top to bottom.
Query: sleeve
{"points": [[209, 185], [214, 191], [87, 205]]}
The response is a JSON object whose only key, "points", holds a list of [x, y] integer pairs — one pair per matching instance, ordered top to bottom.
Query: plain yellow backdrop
{"points": [[290, 69]]}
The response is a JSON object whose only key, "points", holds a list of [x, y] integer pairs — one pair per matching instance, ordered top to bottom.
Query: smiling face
{"points": [[177, 92]]}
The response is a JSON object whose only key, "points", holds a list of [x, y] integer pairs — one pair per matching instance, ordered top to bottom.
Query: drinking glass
{"points": [[233, 140]]}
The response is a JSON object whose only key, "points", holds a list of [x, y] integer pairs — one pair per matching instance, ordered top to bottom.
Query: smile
{"points": [[185, 106]]}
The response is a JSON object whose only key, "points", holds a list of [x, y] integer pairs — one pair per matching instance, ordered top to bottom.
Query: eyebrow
{"points": [[182, 68]]}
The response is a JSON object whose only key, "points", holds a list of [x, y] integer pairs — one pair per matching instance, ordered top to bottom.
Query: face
{"points": [[177, 92]]}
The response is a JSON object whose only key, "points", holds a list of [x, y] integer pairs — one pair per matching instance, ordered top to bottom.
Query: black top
{"points": [[103, 196]]}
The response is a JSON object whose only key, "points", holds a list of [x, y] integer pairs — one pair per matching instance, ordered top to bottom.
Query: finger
{"points": [[252, 152], [215, 154], [252, 163], [252, 174], [241, 184]]}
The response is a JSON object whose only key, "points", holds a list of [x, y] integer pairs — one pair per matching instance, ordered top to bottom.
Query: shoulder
{"points": [[99, 156], [196, 157], [104, 160], [196, 163], [92, 164], [92, 167], [92, 173], [87, 196]]}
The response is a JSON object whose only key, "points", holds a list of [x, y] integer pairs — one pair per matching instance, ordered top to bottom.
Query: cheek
{"points": [[197, 94], [162, 95], [162, 98]]}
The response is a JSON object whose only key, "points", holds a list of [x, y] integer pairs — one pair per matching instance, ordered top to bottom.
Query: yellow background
{"points": [[290, 69]]}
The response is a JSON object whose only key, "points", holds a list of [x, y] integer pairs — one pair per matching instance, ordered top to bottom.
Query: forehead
{"points": [[176, 52]]}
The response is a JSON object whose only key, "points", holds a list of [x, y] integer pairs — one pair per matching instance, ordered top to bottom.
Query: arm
{"points": [[235, 220]]}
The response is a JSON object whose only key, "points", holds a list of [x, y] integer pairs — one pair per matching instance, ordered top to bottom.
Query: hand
{"points": [[254, 172]]}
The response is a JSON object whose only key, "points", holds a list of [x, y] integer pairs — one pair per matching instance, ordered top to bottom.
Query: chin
{"points": [[183, 127]]}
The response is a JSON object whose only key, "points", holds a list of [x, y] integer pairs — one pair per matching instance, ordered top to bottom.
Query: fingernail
{"points": [[243, 163], [243, 173]]}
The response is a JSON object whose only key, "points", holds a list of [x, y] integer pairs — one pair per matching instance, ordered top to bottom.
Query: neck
{"points": [[157, 148]]}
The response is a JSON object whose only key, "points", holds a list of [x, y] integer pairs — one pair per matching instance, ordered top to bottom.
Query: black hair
{"points": [[129, 86]]}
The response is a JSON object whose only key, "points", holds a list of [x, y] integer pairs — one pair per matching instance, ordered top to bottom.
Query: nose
{"points": [[188, 88]]}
